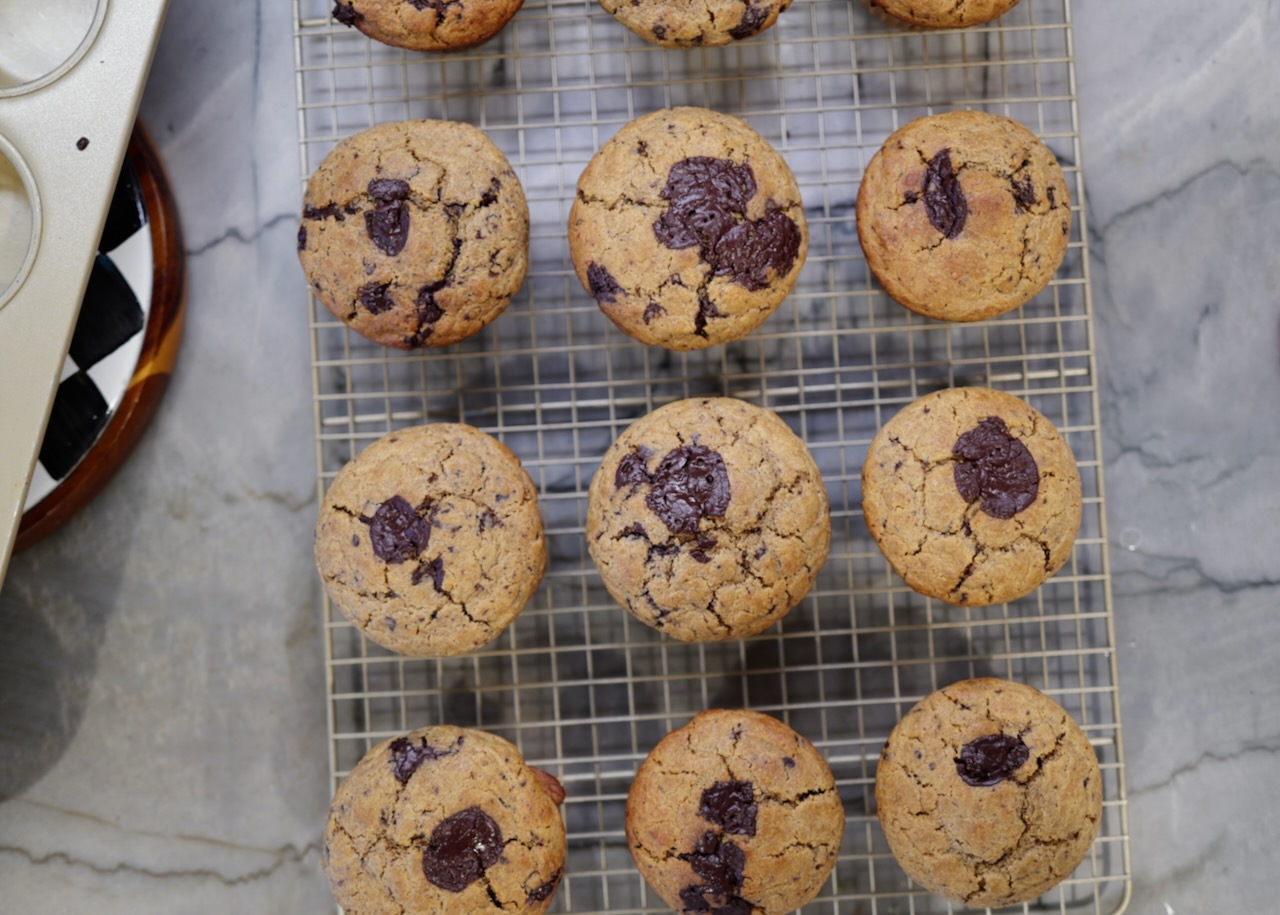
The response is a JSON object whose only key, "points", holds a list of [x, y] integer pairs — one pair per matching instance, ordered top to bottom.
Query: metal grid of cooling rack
{"points": [[581, 687]]}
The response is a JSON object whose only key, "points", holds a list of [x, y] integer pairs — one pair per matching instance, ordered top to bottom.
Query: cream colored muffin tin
{"points": [[71, 77]]}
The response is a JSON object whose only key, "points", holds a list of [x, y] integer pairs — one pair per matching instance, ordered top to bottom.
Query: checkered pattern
{"points": [[107, 340]]}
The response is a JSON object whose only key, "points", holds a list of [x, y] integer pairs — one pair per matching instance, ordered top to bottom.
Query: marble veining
{"points": [[160, 668]]}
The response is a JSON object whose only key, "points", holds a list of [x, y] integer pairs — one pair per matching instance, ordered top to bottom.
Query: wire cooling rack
{"points": [[580, 686]]}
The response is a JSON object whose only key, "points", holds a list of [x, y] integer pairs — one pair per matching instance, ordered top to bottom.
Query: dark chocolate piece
{"points": [[346, 14], [752, 21], [660, 31], [82, 144], [387, 190], [1024, 192], [704, 194], [489, 197], [708, 200], [944, 200], [328, 211], [387, 224], [302, 238], [749, 249], [604, 288], [373, 296], [652, 310], [706, 310], [993, 466], [631, 470], [689, 484], [635, 529], [397, 533], [434, 569], [407, 757], [992, 759], [788, 762], [732, 806], [462, 847], [719, 863]]}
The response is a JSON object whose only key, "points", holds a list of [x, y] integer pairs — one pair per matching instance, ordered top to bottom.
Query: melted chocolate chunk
{"points": [[438, 5], [346, 15], [752, 21], [660, 31], [388, 189], [1024, 192], [1049, 193], [704, 194], [489, 197], [911, 197], [708, 200], [944, 200], [328, 211], [387, 224], [302, 238], [749, 249], [604, 288], [373, 296], [653, 310], [993, 466], [631, 470], [689, 484], [489, 520], [635, 529], [397, 532], [704, 543], [434, 569], [407, 758], [990, 760], [788, 762], [732, 806], [461, 849], [719, 863], [543, 893]]}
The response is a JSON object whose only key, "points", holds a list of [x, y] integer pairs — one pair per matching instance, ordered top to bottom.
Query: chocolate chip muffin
{"points": [[942, 14], [706, 23], [427, 25], [963, 216], [687, 229], [415, 233], [972, 496], [708, 519], [430, 540], [988, 792], [735, 813], [445, 819]]}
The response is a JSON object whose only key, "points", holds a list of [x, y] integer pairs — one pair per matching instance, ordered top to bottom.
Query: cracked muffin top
{"points": [[943, 14], [702, 23], [427, 25], [963, 216], [687, 229], [415, 233], [972, 495], [708, 519], [430, 540], [988, 792], [734, 813], [445, 819]]}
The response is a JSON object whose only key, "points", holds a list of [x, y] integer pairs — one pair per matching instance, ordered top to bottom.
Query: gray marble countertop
{"points": [[161, 679]]}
